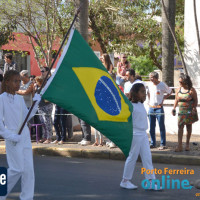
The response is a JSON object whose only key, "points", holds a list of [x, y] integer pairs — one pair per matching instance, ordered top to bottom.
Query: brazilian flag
{"points": [[82, 85]]}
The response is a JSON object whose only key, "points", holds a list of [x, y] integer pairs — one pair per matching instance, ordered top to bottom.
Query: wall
{"points": [[191, 50]]}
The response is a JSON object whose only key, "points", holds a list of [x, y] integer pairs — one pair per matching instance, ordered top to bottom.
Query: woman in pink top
{"points": [[122, 67]]}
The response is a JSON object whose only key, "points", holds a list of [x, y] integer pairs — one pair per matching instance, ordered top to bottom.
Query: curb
{"points": [[78, 152], [113, 155], [175, 159]]}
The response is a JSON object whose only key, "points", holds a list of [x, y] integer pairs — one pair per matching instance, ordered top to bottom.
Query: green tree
{"points": [[44, 21], [127, 26], [133, 27], [6, 33], [142, 65]]}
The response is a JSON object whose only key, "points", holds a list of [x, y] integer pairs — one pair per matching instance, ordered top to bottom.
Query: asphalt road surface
{"points": [[60, 178]]}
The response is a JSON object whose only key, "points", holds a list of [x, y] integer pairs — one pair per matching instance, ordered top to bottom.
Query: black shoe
{"points": [[152, 146]]}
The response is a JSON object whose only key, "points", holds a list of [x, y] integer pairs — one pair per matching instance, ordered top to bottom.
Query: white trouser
{"points": [[140, 146], [20, 162]]}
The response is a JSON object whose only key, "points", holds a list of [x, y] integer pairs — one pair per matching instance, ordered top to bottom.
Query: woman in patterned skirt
{"points": [[186, 99]]}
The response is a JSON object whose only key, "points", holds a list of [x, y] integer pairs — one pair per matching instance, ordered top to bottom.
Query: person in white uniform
{"points": [[140, 142], [19, 155]]}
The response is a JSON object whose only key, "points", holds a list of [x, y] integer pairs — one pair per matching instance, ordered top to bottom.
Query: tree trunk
{"points": [[83, 18], [95, 29], [168, 43]]}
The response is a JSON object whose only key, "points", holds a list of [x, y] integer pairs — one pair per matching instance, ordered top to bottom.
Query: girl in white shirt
{"points": [[140, 142], [18, 147]]}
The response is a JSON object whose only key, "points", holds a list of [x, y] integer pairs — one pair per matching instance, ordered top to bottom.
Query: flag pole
{"points": [[61, 46]]}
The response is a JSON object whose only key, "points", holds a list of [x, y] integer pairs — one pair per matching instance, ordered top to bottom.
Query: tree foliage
{"points": [[43, 21], [127, 26], [130, 26], [133, 27], [6, 33], [142, 65]]}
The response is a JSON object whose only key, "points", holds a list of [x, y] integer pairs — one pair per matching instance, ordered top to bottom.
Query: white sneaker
{"points": [[55, 142], [60, 142], [80, 142], [85, 143], [108, 144], [112, 145], [128, 185], [154, 187]]}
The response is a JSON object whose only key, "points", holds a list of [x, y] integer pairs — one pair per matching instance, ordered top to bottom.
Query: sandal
{"points": [[42, 140], [47, 141], [95, 144], [100, 145], [187, 148], [178, 149]]}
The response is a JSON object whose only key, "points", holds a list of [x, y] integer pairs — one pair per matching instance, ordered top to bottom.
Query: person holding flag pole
{"points": [[18, 147]]}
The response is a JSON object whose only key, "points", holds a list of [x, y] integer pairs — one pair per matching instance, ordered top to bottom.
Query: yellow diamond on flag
{"points": [[103, 94]]}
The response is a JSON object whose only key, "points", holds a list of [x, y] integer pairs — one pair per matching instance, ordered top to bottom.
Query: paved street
{"points": [[59, 178]]}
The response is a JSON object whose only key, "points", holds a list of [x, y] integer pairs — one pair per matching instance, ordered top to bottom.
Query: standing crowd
{"points": [[125, 77], [19, 90]]}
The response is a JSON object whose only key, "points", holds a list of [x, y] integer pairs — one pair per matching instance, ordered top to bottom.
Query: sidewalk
{"points": [[72, 149]]}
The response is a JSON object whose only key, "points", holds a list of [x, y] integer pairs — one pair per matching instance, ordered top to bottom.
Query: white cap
{"points": [[24, 72]]}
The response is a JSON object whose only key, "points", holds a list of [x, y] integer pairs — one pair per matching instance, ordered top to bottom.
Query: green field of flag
{"points": [[82, 85]]}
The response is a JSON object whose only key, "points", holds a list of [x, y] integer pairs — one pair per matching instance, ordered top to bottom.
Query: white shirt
{"points": [[128, 85], [157, 93], [13, 111], [139, 118]]}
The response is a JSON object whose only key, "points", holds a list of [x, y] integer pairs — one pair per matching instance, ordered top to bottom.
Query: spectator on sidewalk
{"points": [[107, 63], [9, 64], [122, 67], [44, 72], [130, 73], [32, 78], [26, 88], [156, 93], [187, 101], [45, 111], [60, 125], [69, 125], [86, 133]]}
